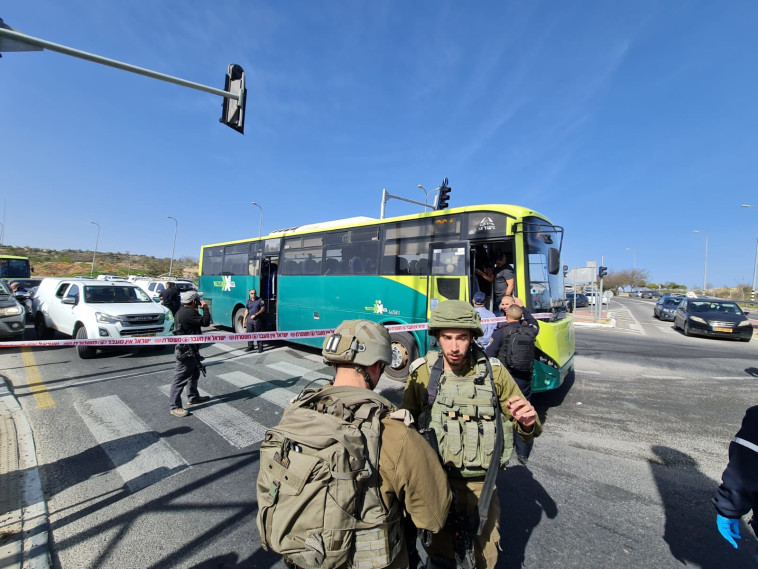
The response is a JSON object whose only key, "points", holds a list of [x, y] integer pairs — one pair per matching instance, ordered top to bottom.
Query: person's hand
{"points": [[518, 302], [203, 304], [522, 411], [729, 529]]}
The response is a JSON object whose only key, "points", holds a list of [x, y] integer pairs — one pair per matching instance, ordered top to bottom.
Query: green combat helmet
{"points": [[456, 314], [358, 342]]}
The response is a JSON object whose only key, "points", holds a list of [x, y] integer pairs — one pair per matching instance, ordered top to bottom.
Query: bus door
{"points": [[448, 279], [269, 281]]}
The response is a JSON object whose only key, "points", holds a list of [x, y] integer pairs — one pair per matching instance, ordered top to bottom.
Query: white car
{"points": [[154, 287], [591, 297], [94, 309]]}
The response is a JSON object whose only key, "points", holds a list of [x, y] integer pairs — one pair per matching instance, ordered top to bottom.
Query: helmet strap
{"points": [[362, 371]]}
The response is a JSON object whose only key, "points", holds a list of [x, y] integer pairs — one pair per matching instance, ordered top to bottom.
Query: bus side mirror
{"points": [[553, 261]]}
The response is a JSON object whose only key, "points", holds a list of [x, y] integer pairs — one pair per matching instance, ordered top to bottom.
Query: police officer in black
{"points": [[170, 298], [253, 318], [188, 359], [738, 493]]}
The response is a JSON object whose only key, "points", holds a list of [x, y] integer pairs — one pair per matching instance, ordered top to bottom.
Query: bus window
{"points": [[302, 255], [409, 257], [212, 258], [236, 259]]}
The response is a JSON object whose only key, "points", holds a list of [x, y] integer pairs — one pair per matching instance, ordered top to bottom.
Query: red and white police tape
{"points": [[215, 338]]}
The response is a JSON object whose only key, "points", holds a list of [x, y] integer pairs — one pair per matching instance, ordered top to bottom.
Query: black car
{"points": [[650, 294], [581, 301], [666, 306], [712, 317]]}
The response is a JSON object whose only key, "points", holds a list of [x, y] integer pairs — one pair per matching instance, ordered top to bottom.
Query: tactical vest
{"points": [[463, 419], [319, 496]]}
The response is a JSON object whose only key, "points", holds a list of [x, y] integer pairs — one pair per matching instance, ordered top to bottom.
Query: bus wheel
{"points": [[238, 322], [404, 351]]}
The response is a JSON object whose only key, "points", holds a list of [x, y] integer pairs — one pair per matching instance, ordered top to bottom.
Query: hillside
{"points": [[70, 262]]}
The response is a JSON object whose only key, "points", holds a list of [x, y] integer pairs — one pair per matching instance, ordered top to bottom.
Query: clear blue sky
{"points": [[629, 123]]}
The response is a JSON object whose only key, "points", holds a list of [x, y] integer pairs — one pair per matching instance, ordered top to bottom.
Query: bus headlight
{"points": [[543, 358]]}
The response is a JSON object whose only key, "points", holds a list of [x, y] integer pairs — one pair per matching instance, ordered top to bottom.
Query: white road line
{"points": [[229, 347], [297, 371], [583, 372], [662, 376], [732, 377], [280, 396], [236, 428], [140, 456]]}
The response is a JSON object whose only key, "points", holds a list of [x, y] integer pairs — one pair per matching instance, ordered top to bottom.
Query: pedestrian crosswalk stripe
{"points": [[229, 347], [296, 371], [260, 388], [236, 428], [140, 456]]}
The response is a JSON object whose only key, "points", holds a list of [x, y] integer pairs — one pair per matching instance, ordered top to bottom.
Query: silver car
{"points": [[12, 314]]}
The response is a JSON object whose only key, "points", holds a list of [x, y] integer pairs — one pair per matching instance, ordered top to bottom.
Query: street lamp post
{"points": [[260, 218], [2, 233], [97, 240], [173, 248], [634, 258], [755, 263], [705, 268]]}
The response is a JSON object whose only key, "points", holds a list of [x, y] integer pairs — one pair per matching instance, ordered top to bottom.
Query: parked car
{"points": [[154, 287], [25, 292], [636, 293], [591, 296], [581, 300], [89, 308], [665, 308], [12, 314], [714, 317]]}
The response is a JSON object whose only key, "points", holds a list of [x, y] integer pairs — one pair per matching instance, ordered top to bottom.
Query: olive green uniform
{"points": [[468, 489], [423, 492]]}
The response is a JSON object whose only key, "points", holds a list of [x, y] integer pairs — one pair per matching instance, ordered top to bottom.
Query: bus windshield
{"points": [[544, 290]]}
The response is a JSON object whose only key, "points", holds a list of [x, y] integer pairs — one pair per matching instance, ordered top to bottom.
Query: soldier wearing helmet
{"points": [[472, 406], [410, 477]]}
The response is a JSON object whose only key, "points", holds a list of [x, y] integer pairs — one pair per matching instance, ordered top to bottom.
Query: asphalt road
{"points": [[633, 448]]}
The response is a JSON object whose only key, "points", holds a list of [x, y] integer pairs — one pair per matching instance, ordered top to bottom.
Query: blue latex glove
{"points": [[729, 529]]}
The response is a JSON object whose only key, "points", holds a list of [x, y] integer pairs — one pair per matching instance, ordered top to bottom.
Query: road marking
{"points": [[229, 347], [297, 371], [587, 372], [662, 376], [732, 377], [34, 380], [280, 396], [236, 428], [141, 457]]}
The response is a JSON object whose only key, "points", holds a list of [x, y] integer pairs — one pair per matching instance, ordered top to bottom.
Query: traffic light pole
{"points": [[37, 42], [386, 196]]}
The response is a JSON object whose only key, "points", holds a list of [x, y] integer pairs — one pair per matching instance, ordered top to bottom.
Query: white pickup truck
{"points": [[87, 308]]}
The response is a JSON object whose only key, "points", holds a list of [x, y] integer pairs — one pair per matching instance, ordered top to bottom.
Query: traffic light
{"points": [[233, 111], [444, 196], [602, 271]]}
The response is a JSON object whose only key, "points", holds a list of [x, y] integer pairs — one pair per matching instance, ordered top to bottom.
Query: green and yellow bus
{"points": [[14, 267], [395, 271]]}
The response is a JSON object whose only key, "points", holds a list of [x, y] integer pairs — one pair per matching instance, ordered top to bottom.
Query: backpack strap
{"points": [[433, 386]]}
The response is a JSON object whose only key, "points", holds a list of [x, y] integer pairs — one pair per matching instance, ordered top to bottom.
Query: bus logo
{"points": [[487, 224], [225, 285], [378, 307]]}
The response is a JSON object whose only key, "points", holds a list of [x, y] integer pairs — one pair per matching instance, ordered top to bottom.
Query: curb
{"points": [[26, 521]]}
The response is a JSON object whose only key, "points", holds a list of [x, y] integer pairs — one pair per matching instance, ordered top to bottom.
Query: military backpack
{"points": [[318, 486]]}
